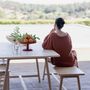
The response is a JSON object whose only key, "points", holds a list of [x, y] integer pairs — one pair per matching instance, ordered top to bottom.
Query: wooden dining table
{"points": [[10, 51]]}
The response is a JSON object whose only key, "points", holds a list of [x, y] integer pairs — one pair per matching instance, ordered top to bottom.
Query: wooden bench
{"points": [[69, 72]]}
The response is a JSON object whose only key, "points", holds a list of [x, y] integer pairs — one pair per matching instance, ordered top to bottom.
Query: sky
{"points": [[49, 1]]}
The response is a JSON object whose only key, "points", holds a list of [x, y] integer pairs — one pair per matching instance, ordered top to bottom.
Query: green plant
{"points": [[16, 34], [35, 37]]}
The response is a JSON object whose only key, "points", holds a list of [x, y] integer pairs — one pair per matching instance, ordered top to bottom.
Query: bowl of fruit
{"points": [[27, 39]]}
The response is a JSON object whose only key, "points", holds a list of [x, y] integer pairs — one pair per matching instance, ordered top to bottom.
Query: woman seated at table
{"points": [[60, 42]]}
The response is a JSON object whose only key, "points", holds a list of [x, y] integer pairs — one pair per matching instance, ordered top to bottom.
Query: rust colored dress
{"points": [[63, 46]]}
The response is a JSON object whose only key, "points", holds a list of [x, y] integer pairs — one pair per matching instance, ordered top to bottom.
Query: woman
{"points": [[60, 42]]}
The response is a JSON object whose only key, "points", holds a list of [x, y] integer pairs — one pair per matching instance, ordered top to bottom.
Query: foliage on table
{"points": [[16, 36]]}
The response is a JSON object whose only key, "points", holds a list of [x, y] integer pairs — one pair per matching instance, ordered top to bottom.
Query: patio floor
{"points": [[33, 84]]}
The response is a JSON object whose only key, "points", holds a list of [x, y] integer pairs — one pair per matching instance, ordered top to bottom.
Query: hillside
{"points": [[12, 10]]}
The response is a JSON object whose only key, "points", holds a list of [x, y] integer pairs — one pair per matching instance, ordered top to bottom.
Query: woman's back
{"points": [[60, 42], [63, 46]]}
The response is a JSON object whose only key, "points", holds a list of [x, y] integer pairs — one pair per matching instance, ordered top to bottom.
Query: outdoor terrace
{"points": [[33, 84]]}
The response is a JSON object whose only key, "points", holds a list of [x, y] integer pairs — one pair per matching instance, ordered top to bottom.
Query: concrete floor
{"points": [[32, 83]]}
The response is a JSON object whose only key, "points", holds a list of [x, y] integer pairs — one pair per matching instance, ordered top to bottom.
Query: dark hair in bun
{"points": [[59, 22]]}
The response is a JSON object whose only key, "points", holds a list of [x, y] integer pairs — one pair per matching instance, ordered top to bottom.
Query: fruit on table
{"points": [[23, 38], [28, 39]]}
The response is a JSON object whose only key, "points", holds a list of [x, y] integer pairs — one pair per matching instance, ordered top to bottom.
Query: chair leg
{"points": [[38, 70], [44, 71], [78, 80], [61, 82]]}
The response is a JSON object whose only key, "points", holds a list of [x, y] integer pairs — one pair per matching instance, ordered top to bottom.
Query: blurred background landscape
{"points": [[12, 12], [38, 16]]}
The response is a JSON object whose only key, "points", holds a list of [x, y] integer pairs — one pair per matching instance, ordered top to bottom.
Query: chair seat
{"points": [[68, 71]]}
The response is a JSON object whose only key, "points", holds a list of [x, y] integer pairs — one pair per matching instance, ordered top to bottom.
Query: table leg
{"points": [[38, 69], [44, 71], [48, 73]]}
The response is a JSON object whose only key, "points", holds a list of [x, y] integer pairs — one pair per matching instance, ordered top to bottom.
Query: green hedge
{"points": [[26, 21], [79, 21]]}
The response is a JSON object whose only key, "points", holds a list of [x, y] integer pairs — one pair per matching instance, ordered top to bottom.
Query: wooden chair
{"points": [[4, 76]]}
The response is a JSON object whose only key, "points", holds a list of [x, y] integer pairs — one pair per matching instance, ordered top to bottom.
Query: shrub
{"points": [[78, 21]]}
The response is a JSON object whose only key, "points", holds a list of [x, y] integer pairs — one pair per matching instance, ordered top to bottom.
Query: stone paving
{"points": [[33, 84]]}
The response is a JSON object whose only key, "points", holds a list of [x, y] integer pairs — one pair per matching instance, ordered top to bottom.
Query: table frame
{"points": [[37, 53]]}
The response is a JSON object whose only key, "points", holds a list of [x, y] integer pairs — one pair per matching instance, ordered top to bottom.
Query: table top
{"points": [[8, 51]]}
